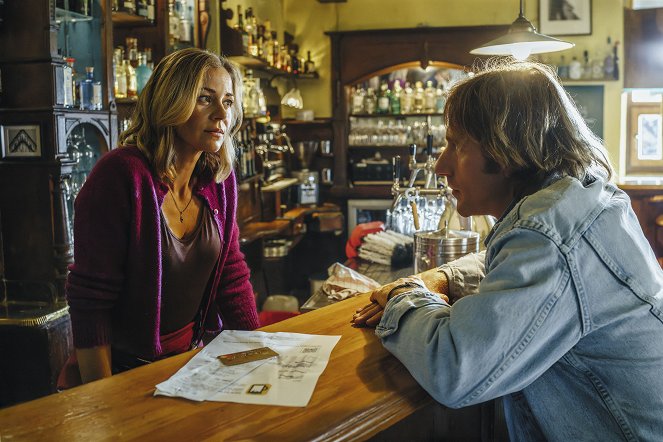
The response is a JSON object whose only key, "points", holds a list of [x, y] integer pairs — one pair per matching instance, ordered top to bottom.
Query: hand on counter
{"points": [[370, 314]]}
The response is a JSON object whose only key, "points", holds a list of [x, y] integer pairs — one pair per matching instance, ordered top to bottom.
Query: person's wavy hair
{"points": [[168, 100], [526, 123]]}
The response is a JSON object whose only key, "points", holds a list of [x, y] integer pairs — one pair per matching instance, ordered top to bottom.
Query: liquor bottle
{"points": [[128, 6], [141, 8], [151, 14], [173, 24], [185, 24], [266, 47], [276, 50], [132, 51], [615, 57], [148, 58], [294, 60], [609, 62], [309, 65], [143, 72], [120, 74], [68, 83], [132, 86], [85, 89], [429, 97], [97, 99], [383, 99], [395, 99], [407, 99], [358, 100], [440, 100], [370, 101], [418, 102], [250, 109]]}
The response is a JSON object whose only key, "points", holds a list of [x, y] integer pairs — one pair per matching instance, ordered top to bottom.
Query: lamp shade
{"points": [[521, 41]]}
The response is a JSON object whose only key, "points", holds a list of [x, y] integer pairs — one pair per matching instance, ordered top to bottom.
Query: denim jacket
{"points": [[566, 325]]}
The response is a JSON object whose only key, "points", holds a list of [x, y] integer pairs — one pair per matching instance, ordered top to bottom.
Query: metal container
{"points": [[434, 248]]}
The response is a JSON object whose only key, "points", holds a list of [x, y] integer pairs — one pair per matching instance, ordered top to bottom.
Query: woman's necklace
{"points": [[178, 208]]}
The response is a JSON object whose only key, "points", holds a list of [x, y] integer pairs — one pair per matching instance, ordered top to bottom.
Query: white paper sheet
{"points": [[288, 379]]}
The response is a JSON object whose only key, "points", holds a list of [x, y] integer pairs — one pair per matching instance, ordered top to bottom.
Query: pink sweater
{"points": [[114, 286]]}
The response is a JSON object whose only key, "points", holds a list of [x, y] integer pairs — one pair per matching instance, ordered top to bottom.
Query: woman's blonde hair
{"points": [[168, 100], [526, 123]]}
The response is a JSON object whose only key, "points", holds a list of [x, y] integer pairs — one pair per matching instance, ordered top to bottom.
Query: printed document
{"points": [[287, 379]]}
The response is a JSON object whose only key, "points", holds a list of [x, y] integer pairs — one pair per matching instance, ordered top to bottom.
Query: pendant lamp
{"points": [[521, 41]]}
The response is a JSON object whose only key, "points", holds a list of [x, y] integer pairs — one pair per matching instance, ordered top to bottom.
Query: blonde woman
{"points": [[157, 261], [562, 317]]}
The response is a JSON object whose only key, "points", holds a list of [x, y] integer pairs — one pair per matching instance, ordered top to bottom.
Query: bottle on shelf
{"points": [[128, 6], [141, 8], [173, 24], [186, 24], [266, 47], [132, 51], [276, 51], [148, 58], [609, 62], [309, 65], [586, 66], [295, 67], [597, 67], [563, 69], [575, 69], [143, 72], [69, 82], [120, 84], [132, 86], [86, 89], [358, 94], [97, 97], [429, 98], [383, 99], [395, 99], [407, 99], [440, 100], [370, 101], [418, 102]]}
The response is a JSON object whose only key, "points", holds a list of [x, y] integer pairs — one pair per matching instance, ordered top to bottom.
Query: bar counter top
{"points": [[363, 391]]}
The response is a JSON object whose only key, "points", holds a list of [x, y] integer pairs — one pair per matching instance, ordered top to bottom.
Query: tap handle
{"points": [[429, 145], [413, 150], [396, 162]]}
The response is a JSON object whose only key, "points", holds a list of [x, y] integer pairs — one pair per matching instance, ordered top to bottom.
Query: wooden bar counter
{"points": [[363, 393]]}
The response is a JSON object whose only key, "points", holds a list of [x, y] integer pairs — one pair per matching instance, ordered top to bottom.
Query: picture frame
{"points": [[565, 17], [22, 141]]}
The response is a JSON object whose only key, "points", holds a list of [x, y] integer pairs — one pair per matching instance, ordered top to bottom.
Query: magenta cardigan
{"points": [[114, 286]]}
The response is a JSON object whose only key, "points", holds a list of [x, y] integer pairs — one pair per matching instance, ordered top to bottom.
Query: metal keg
{"points": [[434, 248]]}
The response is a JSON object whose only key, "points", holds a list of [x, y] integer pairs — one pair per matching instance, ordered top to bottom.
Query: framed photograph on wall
{"points": [[565, 17], [21, 141]]}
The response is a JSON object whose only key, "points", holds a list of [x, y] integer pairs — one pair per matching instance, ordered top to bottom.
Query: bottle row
{"points": [[258, 40], [602, 65], [131, 69], [81, 92], [400, 98], [370, 132], [246, 160]]}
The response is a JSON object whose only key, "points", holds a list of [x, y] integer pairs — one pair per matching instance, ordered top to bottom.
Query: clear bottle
{"points": [[173, 24], [185, 24], [132, 51], [148, 58], [597, 67], [563, 69], [575, 69], [143, 72], [69, 83], [120, 85], [132, 87], [85, 89], [429, 97], [97, 98], [407, 99], [358, 100], [440, 100], [370, 101], [418, 102]]}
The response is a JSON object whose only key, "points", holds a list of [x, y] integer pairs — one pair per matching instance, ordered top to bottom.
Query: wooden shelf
{"points": [[260, 64], [378, 146]]}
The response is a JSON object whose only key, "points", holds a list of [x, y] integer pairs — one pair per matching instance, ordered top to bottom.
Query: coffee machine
{"points": [[308, 186]]}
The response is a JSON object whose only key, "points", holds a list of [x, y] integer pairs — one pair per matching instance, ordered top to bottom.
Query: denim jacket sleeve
{"points": [[465, 274], [523, 319]]}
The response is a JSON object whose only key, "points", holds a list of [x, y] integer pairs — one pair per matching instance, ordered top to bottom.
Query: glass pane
{"points": [[649, 137]]}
